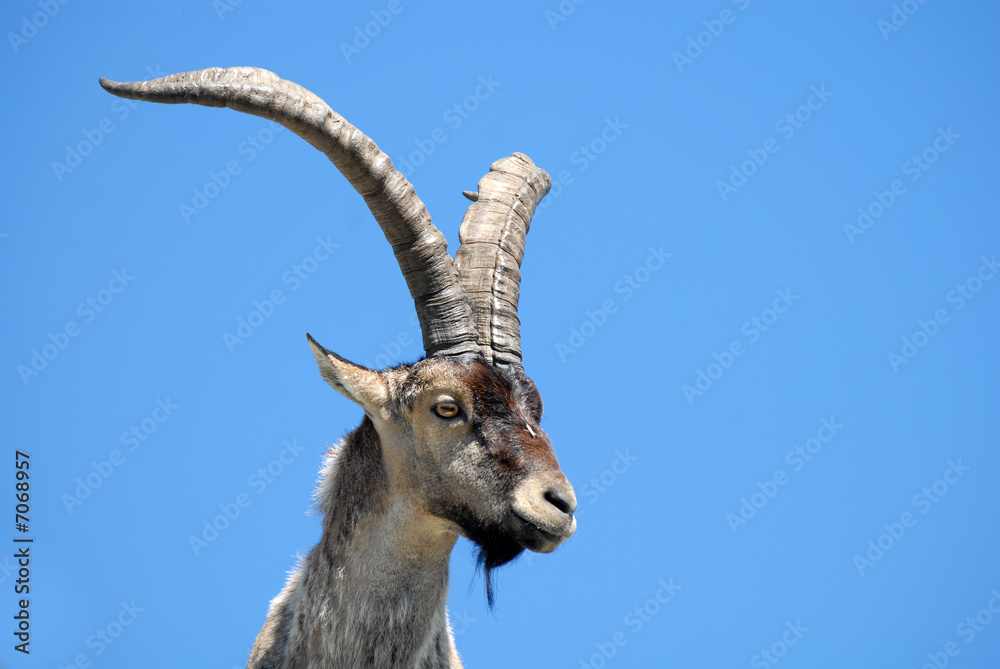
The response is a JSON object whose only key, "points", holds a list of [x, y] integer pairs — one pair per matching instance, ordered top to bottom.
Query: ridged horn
{"points": [[492, 239], [420, 248]]}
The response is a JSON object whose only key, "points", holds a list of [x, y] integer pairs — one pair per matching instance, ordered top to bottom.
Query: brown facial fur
{"points": [[502, 409], [486, 470], [398, 492]]}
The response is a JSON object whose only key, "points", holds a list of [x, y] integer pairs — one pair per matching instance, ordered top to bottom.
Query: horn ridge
{"points": [[492, 237], [440, 300]]}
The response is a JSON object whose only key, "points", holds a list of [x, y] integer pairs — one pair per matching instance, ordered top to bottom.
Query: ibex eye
{"points": [[446, 409]]}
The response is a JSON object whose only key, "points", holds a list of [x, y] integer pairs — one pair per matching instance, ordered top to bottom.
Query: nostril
{"points": [[558, 500]]}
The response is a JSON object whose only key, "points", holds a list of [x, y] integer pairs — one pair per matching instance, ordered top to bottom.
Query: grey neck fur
{"points": [[372, 593]]}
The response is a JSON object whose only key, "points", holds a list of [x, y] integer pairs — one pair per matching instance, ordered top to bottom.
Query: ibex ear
{"points": [[358, 384]]}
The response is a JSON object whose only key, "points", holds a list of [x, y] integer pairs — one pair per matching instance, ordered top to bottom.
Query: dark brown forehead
{"points": [[498, 392], [505, 403]]}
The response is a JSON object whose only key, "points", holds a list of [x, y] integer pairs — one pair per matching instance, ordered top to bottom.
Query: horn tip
{"points": [[114, 87], [471, 194]]}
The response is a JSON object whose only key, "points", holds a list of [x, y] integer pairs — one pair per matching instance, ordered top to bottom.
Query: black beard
{"points": [[496, 544], [492, 552]]}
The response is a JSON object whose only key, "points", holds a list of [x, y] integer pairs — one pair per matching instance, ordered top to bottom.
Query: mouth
{"points": [[540, 537], [500, 542]]}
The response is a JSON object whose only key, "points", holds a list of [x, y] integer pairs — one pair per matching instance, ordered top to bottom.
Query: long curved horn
{"points": [[492, 239], [420, 248]]}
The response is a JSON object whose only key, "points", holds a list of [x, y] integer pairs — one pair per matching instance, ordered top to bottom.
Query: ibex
{"points": [[448, 446]]}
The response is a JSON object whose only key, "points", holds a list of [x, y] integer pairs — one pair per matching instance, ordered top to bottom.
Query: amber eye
{"points": [[446, 409]]}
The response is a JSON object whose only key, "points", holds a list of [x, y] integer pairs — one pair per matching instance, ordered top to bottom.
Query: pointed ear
{"points": [[358, 384]]}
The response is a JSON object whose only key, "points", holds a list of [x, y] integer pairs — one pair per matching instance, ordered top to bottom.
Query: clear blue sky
{"points": [[761, 304]]}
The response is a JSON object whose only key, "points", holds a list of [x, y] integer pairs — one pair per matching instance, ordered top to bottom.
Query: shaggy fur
{"points": [[395, 495]]}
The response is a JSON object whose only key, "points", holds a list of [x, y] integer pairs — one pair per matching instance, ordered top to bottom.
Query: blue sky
{"points": [[760, 302]]}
